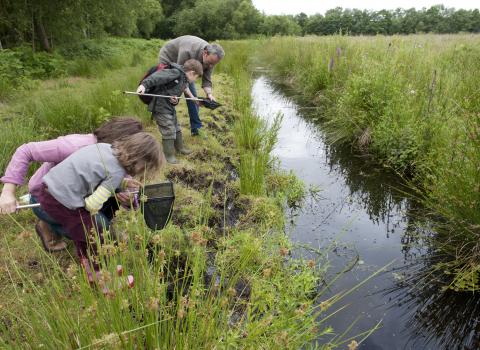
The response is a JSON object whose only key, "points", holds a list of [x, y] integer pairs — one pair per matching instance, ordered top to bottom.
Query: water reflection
{"points": [[374, 187], [381, 192], [370, 205], [442, 319]]}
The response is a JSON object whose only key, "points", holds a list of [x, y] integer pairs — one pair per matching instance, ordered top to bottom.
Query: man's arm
{"points": [[207, 85]]}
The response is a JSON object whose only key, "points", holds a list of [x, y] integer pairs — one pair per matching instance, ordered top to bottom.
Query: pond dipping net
{"points": [[158, 207]]}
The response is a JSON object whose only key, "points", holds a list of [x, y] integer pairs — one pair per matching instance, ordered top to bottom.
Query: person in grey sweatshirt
{"points": [[186, 47]]}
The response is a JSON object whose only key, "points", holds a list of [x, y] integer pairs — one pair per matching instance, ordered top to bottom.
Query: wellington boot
{"points": [[179, 146], [169, 151]]}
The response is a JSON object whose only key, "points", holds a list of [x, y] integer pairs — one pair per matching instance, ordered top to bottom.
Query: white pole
{"points": [[164, 96]]}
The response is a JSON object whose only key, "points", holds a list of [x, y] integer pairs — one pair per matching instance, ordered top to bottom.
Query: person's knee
{"points": [[167, 126], [168, 132], [169, 135]]}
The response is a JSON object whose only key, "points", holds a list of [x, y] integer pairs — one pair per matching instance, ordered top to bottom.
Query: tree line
{"points": [[47, 23]]}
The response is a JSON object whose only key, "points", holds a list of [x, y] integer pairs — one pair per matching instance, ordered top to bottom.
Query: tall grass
{"points": [[20, 67], [412, 101], [71, 105], [80, 106], [12, 135], [254, 138], [192, 288], [252, 297]]}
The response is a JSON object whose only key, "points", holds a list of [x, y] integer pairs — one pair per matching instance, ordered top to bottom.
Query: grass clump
{"points": [[20, 68], [14, 134], [253, 137], [288, 186], [185, 294]]}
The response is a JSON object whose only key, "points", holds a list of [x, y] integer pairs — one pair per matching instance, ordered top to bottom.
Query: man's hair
{"points": [[215, 49], [194, 65], [117, 128], [140, 148]]}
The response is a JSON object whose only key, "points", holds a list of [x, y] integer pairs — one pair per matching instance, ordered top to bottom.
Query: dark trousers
{"points": [[193, 111], [103, 217], [76, 223]]}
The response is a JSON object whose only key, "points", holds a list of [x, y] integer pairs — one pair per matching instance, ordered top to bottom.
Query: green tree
{"points": [[171, 8], [148, 16], [218, 19], [246, 19], [301, 20], [333, 21], [410, 21], [45, 23], [280, 25], [315, 25]]}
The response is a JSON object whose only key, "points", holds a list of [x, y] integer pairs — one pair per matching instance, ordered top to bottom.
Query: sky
{"points": [[310, 7]]}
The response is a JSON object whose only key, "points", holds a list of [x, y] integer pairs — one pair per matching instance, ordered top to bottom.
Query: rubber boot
{"points": [[179, 144], [169, 151]]}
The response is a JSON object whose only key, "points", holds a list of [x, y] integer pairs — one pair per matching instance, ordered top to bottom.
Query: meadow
{"points": [[220, 275]]}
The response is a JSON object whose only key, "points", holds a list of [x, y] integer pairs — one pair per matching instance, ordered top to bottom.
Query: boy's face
{"points": [[191, 76]]}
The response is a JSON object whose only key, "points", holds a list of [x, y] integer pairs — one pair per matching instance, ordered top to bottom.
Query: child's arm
{"points": [[160, 78], [43, 151], [105, 190], [129, 197], [95, 201]]}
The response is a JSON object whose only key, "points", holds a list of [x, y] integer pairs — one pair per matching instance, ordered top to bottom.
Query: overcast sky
{"points": [[310, 7]]}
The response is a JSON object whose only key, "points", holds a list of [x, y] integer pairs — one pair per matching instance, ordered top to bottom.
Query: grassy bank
{"points": [[22, 70], [87, 90], [412, 102], [220, 276]]}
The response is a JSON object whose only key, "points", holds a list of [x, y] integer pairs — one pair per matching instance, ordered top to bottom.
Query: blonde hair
{"points": [[142, 149]]}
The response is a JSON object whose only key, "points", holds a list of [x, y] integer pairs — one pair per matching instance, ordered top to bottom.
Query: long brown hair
{"points": [[117, 128], [141, 149]]}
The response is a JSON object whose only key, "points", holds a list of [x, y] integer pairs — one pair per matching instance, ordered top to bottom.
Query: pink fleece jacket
{"points": [[50, 153]]}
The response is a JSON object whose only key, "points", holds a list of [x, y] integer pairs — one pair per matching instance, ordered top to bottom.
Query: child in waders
{"points": [[170, 81], [75, 190]]}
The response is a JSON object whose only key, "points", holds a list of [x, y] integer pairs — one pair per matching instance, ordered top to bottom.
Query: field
{"points": [[220, 275]]}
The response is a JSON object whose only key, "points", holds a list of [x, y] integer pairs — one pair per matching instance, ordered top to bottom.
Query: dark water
{"points": [[361, 210]]}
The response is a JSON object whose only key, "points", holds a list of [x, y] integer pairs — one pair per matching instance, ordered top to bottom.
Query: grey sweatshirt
{"points": [[184, 48], [77, 177]]}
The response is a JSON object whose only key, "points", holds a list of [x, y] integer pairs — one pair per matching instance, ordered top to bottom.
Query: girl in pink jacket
{"points": [[50, 153]]}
